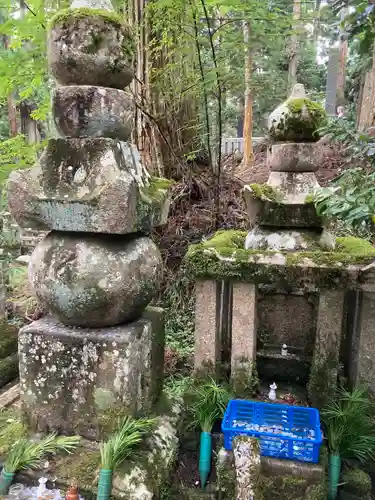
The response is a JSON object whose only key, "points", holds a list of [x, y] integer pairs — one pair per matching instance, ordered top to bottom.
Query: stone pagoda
{"points": [[284, 216], [286, 302], [100, 352]]}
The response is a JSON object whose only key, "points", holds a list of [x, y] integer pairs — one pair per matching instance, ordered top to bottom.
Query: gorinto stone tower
{"points": [[99, 353]]}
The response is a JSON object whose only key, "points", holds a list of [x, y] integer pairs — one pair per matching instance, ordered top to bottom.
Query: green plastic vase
{"points": [[205, 457], [334, 475], [6, 480], [105, 484]]}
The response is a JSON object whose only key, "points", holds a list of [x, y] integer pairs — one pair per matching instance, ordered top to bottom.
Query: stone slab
{"points": [[86, 48], [89, 111], [295, 157], [88, 185], [293, 186], [273, 214], [289, 239], [288, 318], [244, 336], [207, 345], [363, 349], [326, 360], [76, 380]]}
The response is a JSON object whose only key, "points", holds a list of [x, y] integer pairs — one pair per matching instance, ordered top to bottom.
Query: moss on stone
{"points": [[85, 12], [300, 121], [156, 189], [265, 192], [309, 198], [152, 202], [224, 256], [244, 379], [322, 382], [84, 465], [356, 481]]}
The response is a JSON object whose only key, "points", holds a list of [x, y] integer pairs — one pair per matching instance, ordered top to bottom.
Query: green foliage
{"points": [[16, 153], [352, 198], [179, 302], [206, 404], [350, 425], [121, 444], [26, 454]]}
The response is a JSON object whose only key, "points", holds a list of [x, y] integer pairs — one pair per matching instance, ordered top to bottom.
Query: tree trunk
{"points": [[318, 3], [293, 50], [340, 89], [248, 113], [12, 114]]}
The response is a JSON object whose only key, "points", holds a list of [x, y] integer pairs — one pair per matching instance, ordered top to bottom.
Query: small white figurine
{"points": [[284, 350], [272, 394], [42, 489]]}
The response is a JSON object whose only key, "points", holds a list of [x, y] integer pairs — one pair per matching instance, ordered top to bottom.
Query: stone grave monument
{"points": [[273, 302], [100, 352]]}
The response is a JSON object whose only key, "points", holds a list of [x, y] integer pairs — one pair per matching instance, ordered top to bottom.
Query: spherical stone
{"points": [[90, 47], [88, 111], [297, 119], [295, 157], [262, 238], [95, 280]]}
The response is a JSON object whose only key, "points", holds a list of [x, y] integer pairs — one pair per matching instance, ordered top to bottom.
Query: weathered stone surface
{"points": [[90, 49], [88, 111], [295, 157], [89, 185], [293, 186], [268, 213], [288, 239], [95, 280], [288, 319], [244, 337], [207, 348], [363, 348], [325, 366], [77, 380], [247, 462], [282, 479]]}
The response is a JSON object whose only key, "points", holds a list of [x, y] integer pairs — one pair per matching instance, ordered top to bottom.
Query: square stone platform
{"points": [[82, 380]]}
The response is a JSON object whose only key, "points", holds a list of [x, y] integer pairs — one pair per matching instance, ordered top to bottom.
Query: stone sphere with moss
{"points": [[298, 119]]}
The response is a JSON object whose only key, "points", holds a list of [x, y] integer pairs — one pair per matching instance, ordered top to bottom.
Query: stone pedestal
{"points": [[244, 336], [207, 344], [324, 370], [82, 380]]}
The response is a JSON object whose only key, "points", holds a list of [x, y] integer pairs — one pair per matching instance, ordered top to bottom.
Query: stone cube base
{"points": [[82, 380]]}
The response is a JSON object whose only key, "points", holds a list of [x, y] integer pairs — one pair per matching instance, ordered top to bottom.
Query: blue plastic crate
{"points": [[292, 432]]}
